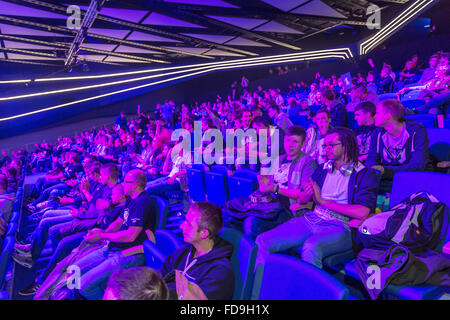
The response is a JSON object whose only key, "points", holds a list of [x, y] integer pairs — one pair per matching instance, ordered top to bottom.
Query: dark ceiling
{"points": [[161, 32]]}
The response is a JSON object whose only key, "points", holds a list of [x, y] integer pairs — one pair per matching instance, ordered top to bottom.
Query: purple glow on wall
{"points": [[212, 3], [11, 9], [162, 20], [241, 22]]}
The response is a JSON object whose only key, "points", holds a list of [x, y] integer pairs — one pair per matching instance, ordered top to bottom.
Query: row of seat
{"points": [[9, 240], [332, 282]]}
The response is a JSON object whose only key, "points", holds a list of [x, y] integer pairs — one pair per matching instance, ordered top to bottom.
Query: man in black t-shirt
{"points": [[125, 235]]}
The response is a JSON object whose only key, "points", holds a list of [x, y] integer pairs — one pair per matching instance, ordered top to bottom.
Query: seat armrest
{"points": [[354, 223], [446, 248]]}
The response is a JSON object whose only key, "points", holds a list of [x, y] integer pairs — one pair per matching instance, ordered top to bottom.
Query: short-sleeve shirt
{"points": [[138, 212]]}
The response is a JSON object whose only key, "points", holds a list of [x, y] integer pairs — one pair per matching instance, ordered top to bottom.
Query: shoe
{"points": [[42, 205], [31, 208], [22, 248], [24, 260], [30, 290]]}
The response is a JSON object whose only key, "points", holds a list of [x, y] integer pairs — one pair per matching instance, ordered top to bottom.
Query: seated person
{"points": [[409, 73], [429, 73], [384, 79], [435, 92], [360, 94], [338, 113], [364, 113], [280, 119], [315, 135], [400, 145], [175, 167], [293, 169], [342, 189], [6, 199], [125, 235], [67, 244], [27, 254], [201, 269], [139, 283]]}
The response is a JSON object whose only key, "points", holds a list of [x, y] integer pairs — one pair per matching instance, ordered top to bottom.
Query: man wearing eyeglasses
{"points": [[341, 189], [125, 237]]}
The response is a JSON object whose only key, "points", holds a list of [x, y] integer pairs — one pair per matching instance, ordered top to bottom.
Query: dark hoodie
{"points": [[415, 150], [212, 272]]}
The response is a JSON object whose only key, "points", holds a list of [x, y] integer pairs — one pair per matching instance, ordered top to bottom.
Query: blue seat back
{"points": [[386, 96], [413, 103], [439, 143], [408, 182], [196, 183], [242, 183], [217, 189], [163, 209], [166, 244], [5, 257], [242, 261], [289, 278]]}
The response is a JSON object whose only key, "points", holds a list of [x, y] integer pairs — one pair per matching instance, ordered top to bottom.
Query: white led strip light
{"points": [[403, 18], [339, 55], [223, 64], [179, 67]]}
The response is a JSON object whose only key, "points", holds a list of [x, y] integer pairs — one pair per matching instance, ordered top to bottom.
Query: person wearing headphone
{"points": [[340, 189]]}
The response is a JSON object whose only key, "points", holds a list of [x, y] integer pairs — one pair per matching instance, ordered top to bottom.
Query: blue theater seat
{"points": [[386, 96], [413, 103], [439, 143], [216, 181], [242, 183], [196, 184], [163, 209], [166, 244], [5, 257], [242, 261], [289, 278]]}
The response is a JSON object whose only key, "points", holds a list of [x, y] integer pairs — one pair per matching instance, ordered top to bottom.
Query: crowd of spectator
{"points": [[94, 205]]}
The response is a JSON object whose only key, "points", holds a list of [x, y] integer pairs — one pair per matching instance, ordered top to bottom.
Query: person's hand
{"points": [[371, 63], [379, 168], [152, 171], [171, 180], [72, 182], [84, 184], [265, 185], [312, 189], [66, 200], [74, 212], [3, 226], [93, 235], [187, 290]]}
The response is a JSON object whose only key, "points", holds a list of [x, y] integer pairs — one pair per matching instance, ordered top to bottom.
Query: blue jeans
{"points": [[435, 103], [160, 186], [59, 189], [253, 226], [40, 235], [319, 239], [62, 250], [96, 267]]}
